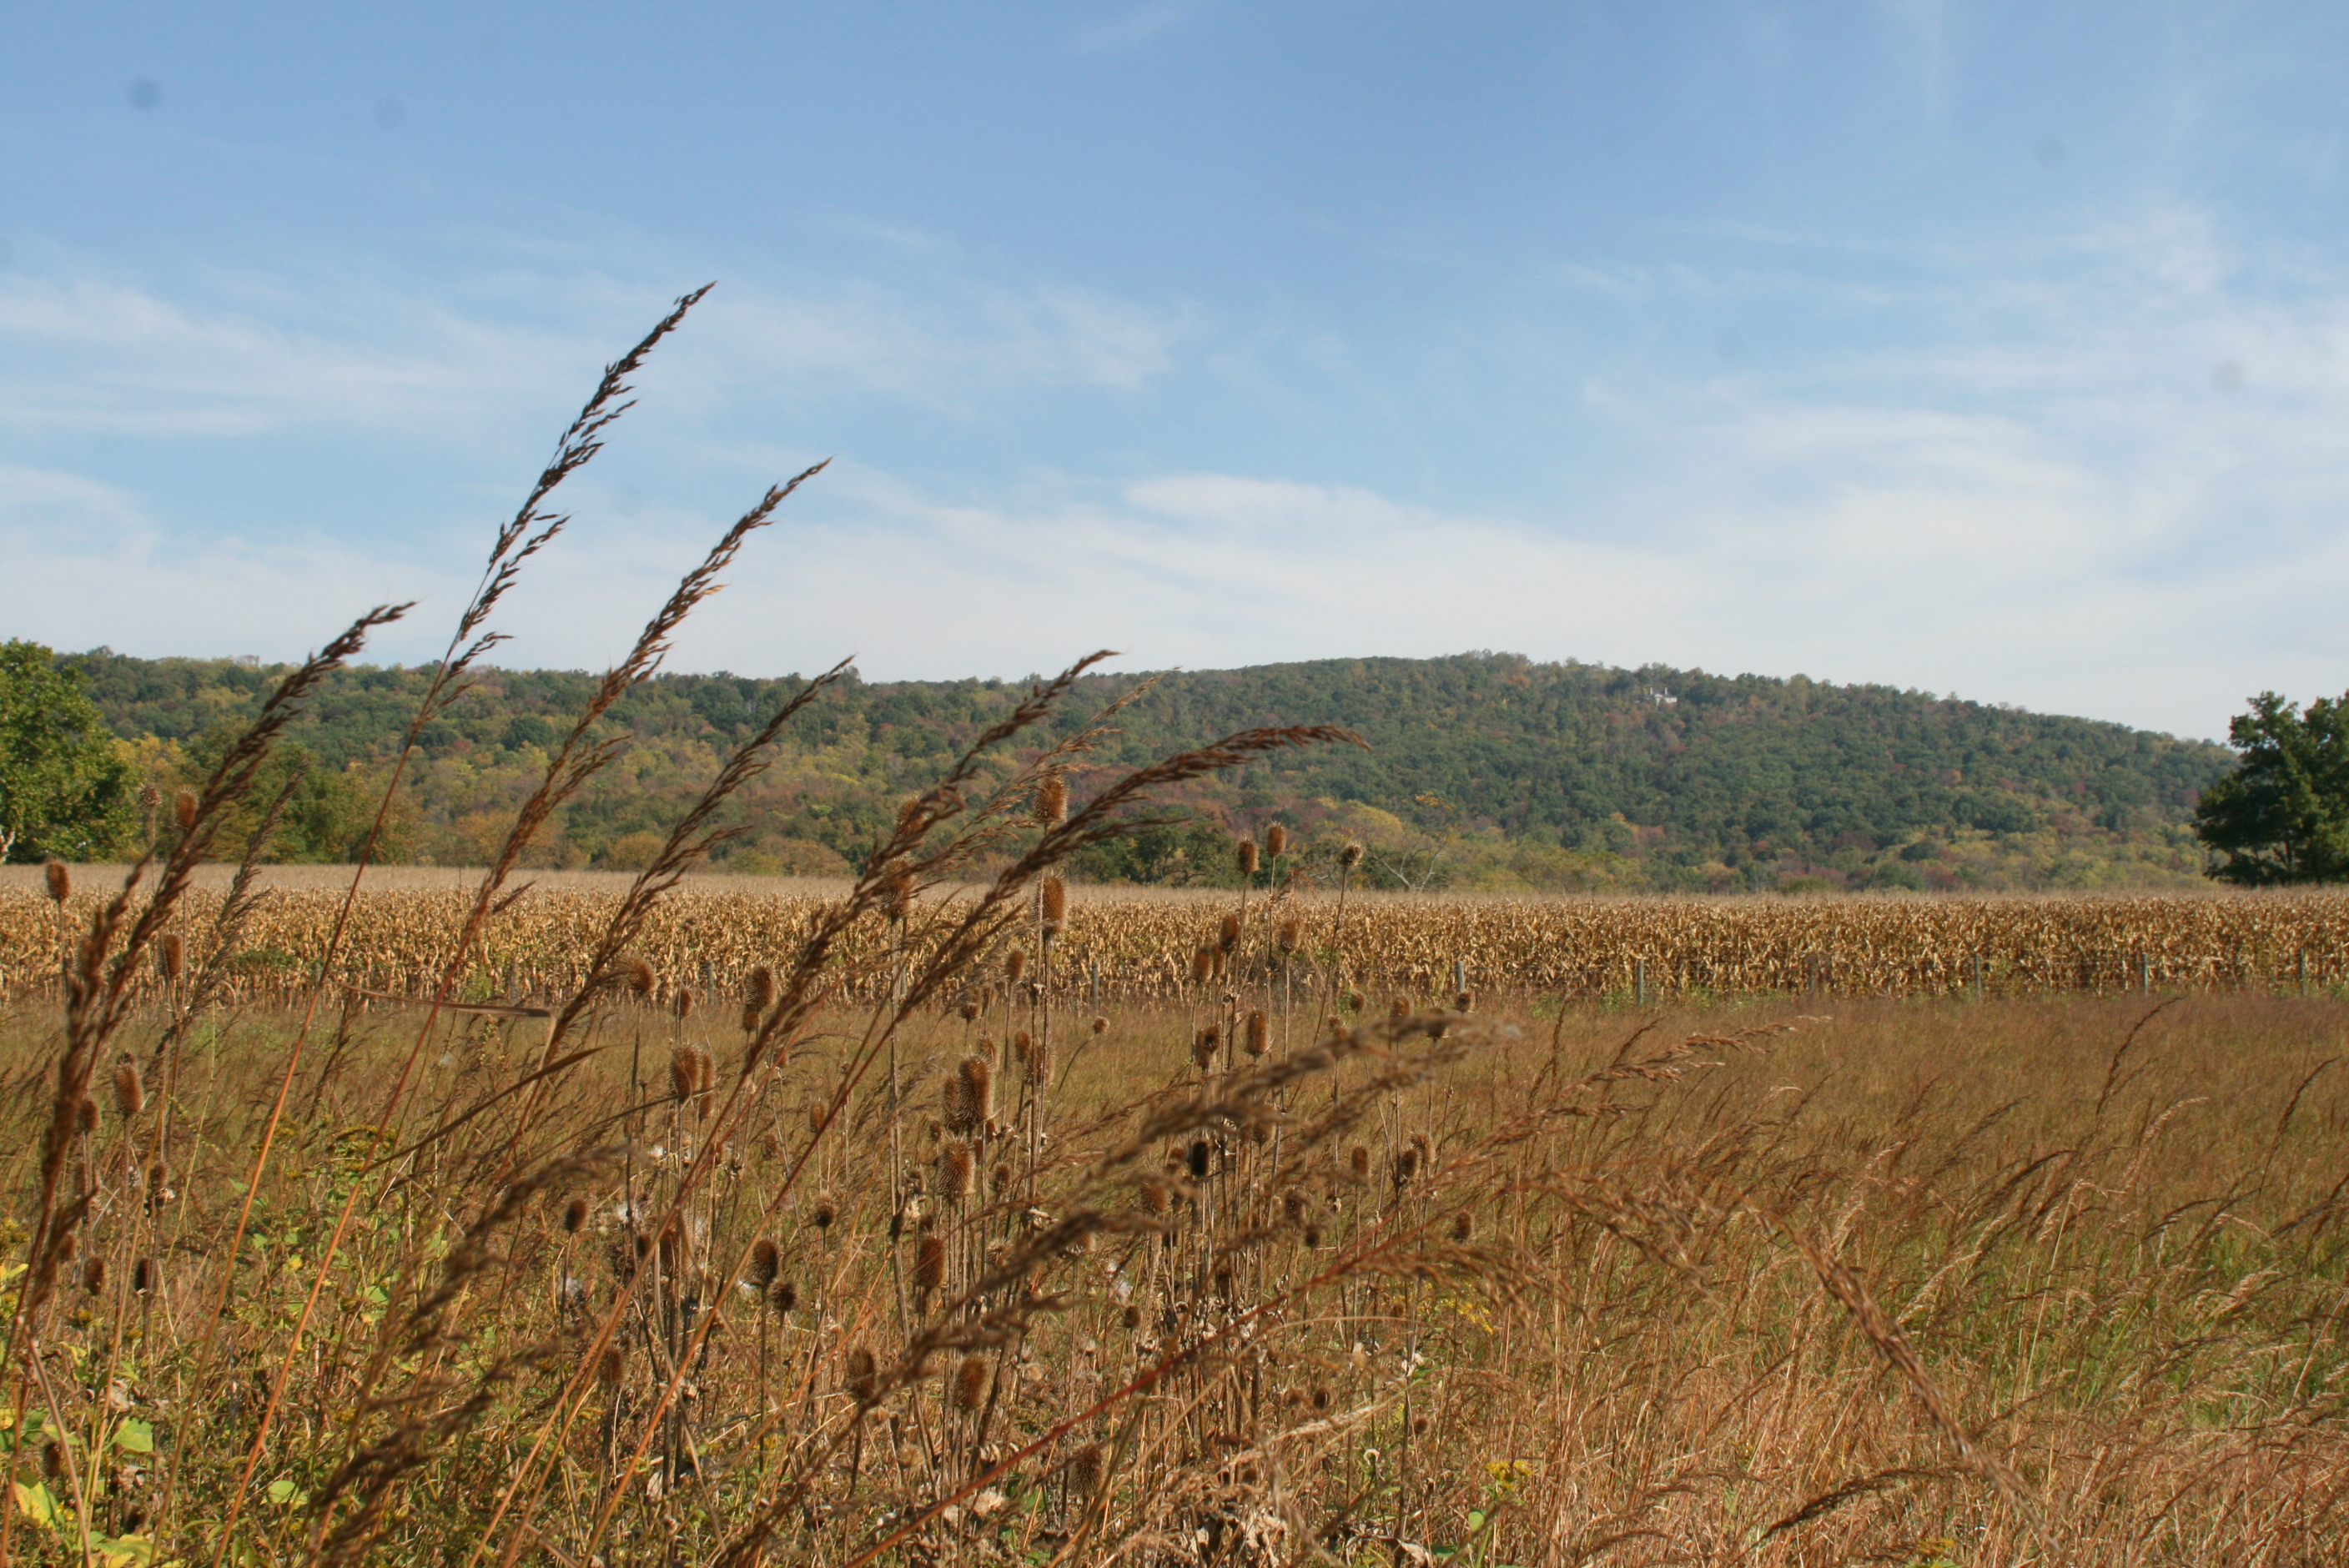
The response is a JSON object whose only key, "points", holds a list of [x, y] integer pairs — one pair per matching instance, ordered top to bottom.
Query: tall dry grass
{"points": [[874, 1240]]}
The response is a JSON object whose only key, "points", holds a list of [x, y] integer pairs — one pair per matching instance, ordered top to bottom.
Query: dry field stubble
{"points": [[2052, 1281]]}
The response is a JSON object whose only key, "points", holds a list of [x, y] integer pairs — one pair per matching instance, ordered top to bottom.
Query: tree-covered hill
{"points": [[1483, 770]]}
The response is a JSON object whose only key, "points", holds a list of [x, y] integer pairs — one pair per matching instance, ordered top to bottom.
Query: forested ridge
{"points": [[1482, 769]]}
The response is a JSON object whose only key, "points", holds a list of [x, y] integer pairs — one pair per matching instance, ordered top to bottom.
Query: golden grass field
{"points": [[1733, 1276]]}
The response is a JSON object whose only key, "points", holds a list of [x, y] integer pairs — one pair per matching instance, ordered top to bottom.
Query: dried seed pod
{"points": [[1051, 801], [183, 809], [1276, 841], [1350, 856], [1248, 857], [60, 881], [896, 894], [1055, 901], [1227, 933], [1290, 936], [172, 951], [1015, 965], [1203, 965], [638, 975], [761, 994], [1353, 1001], [1465, 1003], [684, 1004], [1399, 1008], [969, 1010], [751, 1016], [1101, 1026], [1259, 1033], [1204, 1047], [976, 1074], [684, 1077], [129, 1090], [86, 1115], [1426, 1147], [1201, 1152], [1358, 1160], [1406, 1166], [956, 1171], [1001, 1177], [1157, 1195], [1292, 1206], [575, 1215], [823, 1215], [1464, 1225], [766, 1261], [930, 1263], [93, 1276], [142, 1277], [785, 1296], [1131, 1317], [610, 1365], [863, 1380], [972, 1381], [1085, 1470]]}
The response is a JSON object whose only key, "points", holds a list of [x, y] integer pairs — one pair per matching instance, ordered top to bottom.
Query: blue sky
{"points": [[1993, 349]]}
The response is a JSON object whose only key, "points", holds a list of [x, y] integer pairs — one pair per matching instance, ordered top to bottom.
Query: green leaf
{"points": [[135, 1437], [283, 1492], [39, 1505], [117, 1550]]}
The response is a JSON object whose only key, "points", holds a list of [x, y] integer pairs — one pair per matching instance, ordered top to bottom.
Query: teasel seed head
{"points": [[149, 796], [1051, 801], [183, 809], [1276, 841], [1350, 856], [1248, 857], [60, 881], [896, 892], [1056, 900], [1227, 933], [1290, 936], [173, 951], [1015, 965], [1203, 965], [638, 975], [761, 994], [1353, 1001], [1465, 1003], [684, 1004], [1399, 1008], [968, 1011], [752, 1013], [1101, 1026], [1259, 1033], [1204, 1047], [684, 1075], [978, 1076], [129, 1090], [86, 1115], [1426, 1147], [1201, 1153], [1358, 1160], [1406, 1166], [957, 1172], [1156, 1195], [824, 1212], [575, 1215], [1464, 1225], [766, 1260], [930, 1264], [93, 1274], [142, 1277], [785, 1295], [610, 1365], [864, 1378], [971, 1380], [1085, 1470]]}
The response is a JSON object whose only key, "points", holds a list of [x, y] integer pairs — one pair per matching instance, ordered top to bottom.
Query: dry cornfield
{"points": [[1118, 946], [505, 1224]]}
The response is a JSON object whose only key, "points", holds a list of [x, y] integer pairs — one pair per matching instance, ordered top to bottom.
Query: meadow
{"points": [[955, 1214]]}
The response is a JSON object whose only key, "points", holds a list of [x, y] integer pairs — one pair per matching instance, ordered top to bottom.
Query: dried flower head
{"points": [[1051, 801], [183, 809], [1276, 841], [1350, 856], [1248, 859], [60, 881], [1055, 900], [1227, 933], [1290, 936], [172, 953], [1015, 965], [1203, 965], [638, 975], [761, 994], [1465, 1003], [684, 1004], [1399, 1008], [968, 1011], [1101, 1025], [1259, 1033], [1204, 1047], [684, 1077], [129, 1090], [86, 1115], [1201, 1152], [1358, 1160], [957, 1172], [824, 1212], [575, 1215], [1464, 1225], [766, 1261], [930, 1263], [93, 1274], [142, 1277], [785, 1296], [610, 1365], [864, 1379], [972, 1381], [1085, 1470]]}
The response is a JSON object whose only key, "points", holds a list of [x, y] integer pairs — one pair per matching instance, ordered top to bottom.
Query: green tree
{"points": [[65, 790], [328, 809], [2282, 815]]}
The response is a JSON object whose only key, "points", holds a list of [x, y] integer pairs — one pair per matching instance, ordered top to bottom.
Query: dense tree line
{"points": [[1482, 769]]}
